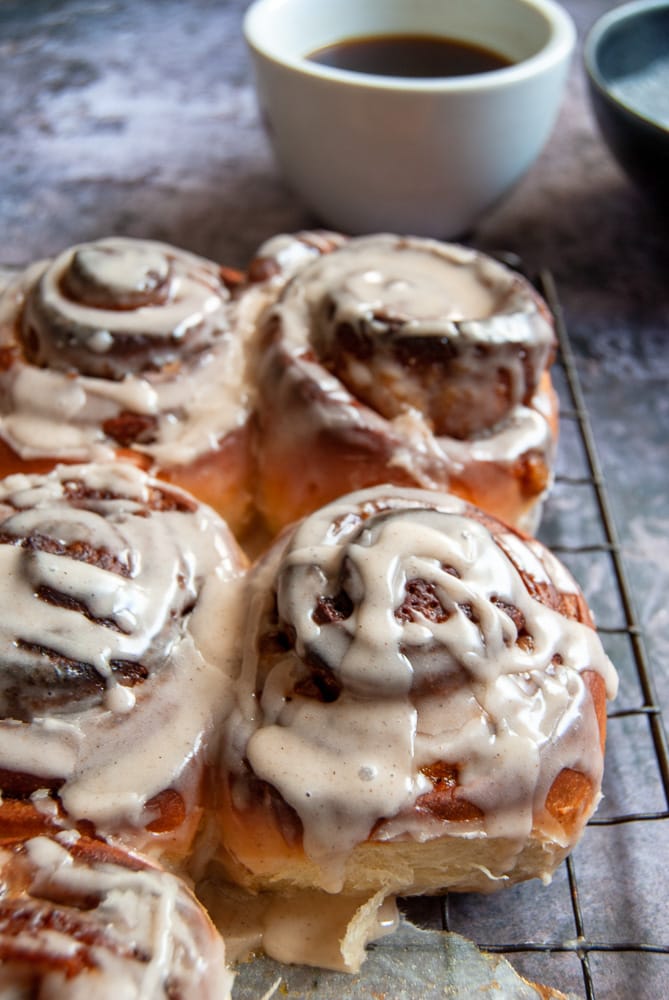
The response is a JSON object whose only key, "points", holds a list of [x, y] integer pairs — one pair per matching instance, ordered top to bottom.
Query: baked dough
{"points": [[132, 349], [390, 359], [118, 598], [421, 706]]}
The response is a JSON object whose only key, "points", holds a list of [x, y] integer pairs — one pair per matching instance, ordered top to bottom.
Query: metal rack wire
{"points": [[558, 935], [582, 943]]}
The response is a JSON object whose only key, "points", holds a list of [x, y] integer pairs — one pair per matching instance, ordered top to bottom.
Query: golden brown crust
{"points": [[11, 463], [222, 479], [569, 799], [444, 801], [20, 820]]}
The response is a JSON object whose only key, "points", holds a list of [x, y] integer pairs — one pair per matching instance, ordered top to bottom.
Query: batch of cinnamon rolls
{"points": [[278, 643]]}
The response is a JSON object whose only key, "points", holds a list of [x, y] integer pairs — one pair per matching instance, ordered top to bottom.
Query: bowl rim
{"points": [[598, 30], [557, 50]]}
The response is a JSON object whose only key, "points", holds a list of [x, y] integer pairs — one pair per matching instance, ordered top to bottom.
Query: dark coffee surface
{"points": [[421, 56]]}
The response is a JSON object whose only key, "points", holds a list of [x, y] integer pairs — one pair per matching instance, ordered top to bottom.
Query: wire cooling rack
{"points": [[597, 930]]}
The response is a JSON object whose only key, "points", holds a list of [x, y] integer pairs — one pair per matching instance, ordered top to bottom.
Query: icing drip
{"points": [[284, 254], [119, 306], [411, 323], [149, 331], [405, 361], [101, 570], [410, 638], [111, 926]]}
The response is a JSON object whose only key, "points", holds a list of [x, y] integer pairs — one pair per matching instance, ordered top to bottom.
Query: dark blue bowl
{"points": [[626, 58]]}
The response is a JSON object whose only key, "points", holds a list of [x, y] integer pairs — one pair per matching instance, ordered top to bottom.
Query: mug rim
{"points": [[607, 21], [596, 36], [557, 48]]}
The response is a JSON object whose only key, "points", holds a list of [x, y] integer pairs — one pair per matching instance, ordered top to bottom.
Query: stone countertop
{"points": [[140, 119]]}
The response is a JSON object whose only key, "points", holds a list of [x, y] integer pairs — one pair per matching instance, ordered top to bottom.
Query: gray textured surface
{"points": [[140, 118], [413, 964]]}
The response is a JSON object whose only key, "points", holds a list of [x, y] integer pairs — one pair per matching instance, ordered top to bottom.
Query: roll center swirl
{"points": [[112, 277], [121, 307], [412, 324], [99, 575], [404, 599]]}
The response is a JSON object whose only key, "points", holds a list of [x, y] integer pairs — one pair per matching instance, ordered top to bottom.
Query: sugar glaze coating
{"points": [[408, 323], [150, 331], [402, 360], [104, 574], [398, 633], [80, 918]]}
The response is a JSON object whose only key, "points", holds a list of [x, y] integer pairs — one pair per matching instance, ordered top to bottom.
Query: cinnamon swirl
{"points": [[134, 348], [401, 360], [118, 608], [421, 706], [79, 917]]}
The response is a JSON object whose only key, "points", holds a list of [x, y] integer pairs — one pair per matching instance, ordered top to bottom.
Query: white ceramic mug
{"points": [[411, 155]]}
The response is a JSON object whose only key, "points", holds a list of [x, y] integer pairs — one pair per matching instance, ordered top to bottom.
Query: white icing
{"points": [[291, 252], [120, 265], [139, 267], [480, 323], [488, 370], [196, 400], [462, 687], [109, 744], [308, 927], [143, 938]]}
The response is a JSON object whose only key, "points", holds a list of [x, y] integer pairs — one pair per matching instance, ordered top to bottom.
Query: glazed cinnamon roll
{"points": [[134, 348], [402, 360], [118, 608], [421, 707], [80, 918]]}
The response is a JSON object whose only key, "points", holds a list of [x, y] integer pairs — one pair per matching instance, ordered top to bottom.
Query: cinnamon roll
{"points": [[134, 348], [401, 360], [118, 610], [421, 705], [80, 918]]}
